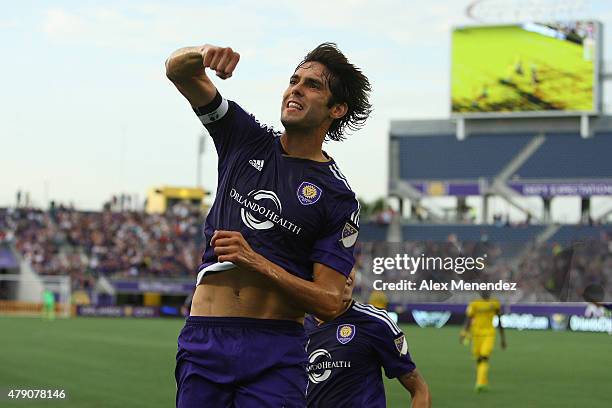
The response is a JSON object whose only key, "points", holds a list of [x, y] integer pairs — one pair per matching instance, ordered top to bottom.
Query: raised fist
{"points": [[221, 60]]}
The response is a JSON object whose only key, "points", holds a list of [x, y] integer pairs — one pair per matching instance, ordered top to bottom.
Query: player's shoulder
{"points": [[242, 117], [249, 117], [336, 181], [340, 195], [377, 319]]}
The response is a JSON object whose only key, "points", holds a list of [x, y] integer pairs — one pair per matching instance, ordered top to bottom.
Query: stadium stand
{"points": [[486, 155], [475, 157], [579, 158], [371, 231], [473, 233], [572, 233], [516, 234], [86, 245], [8, 261]]}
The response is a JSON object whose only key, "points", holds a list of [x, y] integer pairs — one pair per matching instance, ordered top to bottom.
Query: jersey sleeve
{"points": [[231, 127], [336, 246], [391, 347]]}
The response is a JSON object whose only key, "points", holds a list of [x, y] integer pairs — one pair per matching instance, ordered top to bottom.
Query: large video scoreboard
{"points": [[526, 69]]}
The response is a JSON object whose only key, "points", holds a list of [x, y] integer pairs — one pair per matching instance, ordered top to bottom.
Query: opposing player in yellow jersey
{"points": [[378, 299], [479, 325]]}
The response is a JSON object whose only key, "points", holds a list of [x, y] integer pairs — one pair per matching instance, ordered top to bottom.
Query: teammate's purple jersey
{"points": [[294, 212], [345, 357]]}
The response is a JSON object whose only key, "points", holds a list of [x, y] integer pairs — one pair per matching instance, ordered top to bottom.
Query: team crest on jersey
{"points": [[308, 193], [349, 235], [345, 333], [401, 345]]}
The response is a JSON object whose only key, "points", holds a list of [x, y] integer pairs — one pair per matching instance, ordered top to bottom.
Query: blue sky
{"points": [[86, 109]]}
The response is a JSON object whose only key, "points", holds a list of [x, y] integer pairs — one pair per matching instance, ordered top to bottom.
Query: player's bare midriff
{"points": [[241, 293]]}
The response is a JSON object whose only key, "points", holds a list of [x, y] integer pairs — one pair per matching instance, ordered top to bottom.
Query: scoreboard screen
{"points": [[526, 68]]}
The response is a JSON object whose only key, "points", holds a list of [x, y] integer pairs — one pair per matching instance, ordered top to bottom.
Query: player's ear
{"points": [[338, 110]]}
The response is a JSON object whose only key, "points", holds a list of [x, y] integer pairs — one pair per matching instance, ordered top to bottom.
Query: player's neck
{"points": [[304, 146], [347, 306]]}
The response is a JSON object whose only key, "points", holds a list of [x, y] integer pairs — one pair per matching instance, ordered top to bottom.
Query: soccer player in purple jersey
{"points": [[280, 234], [347, 353]]}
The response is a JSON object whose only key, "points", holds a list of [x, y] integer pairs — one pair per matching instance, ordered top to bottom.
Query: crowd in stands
{"points": [[115, 244], [132, 244], [433, 265], [547, 272], [552, 272]]}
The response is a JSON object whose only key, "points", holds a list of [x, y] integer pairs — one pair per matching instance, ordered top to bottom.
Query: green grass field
{"points": [[129, 363]]}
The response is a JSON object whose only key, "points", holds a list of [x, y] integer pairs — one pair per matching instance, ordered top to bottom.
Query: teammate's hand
{"points": [[221, 60], [230, 246]]}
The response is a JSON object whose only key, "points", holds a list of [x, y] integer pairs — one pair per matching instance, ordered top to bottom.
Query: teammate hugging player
{"points": [[280, 234], [479, 326], [346, 356]]}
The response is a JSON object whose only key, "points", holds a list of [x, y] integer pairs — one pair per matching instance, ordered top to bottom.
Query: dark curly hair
{"points": [[347, 85]]}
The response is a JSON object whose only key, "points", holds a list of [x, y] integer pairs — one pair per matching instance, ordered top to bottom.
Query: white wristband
{"points": [[216, 114]]}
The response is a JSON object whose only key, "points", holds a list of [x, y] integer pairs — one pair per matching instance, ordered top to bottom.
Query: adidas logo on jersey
{"points": [[258, 164]]}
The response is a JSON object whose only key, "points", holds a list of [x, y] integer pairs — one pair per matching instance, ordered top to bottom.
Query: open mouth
{"points": [[294, 105]]}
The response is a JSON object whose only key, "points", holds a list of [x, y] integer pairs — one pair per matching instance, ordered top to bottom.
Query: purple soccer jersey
{"points": [[294, 212], [345, 357]]}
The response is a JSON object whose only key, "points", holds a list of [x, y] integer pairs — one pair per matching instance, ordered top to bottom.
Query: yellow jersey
{"points": [[378, 299], [482, 312]]}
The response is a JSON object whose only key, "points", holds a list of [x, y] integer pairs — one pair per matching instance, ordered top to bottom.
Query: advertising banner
{"points": [[583, 189], [164, 287], [117, 311]]}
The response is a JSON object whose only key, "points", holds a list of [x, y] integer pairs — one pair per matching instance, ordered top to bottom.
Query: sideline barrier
{"points": [[573, 317]]}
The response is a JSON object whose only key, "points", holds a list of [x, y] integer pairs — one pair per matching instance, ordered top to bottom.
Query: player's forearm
{"points": [[185, 63], [323, 302], [418, 388], [421, 399]]}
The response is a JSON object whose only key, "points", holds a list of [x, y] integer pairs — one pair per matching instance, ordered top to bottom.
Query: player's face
{"points": [[305, 100]]}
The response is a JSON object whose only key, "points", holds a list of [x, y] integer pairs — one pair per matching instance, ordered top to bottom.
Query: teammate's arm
{"points": [[186, 68], [321, 297], [416, 385]]}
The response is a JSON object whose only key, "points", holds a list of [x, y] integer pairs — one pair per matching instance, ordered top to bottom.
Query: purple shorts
{"points": [[241, 362]]}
